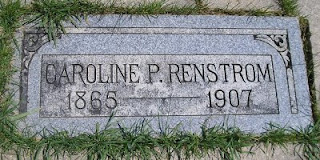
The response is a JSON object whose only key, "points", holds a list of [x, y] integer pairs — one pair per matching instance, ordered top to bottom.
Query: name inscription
{"points": [[152, 85]]}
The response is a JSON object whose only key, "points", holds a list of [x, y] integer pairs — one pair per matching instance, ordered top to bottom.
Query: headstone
{"points": [[240, 71]]}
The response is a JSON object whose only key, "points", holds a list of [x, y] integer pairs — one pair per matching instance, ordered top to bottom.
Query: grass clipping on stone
{"points": [[140, 140]]}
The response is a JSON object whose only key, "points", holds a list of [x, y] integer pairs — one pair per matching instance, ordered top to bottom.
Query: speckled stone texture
{"points": [[277, 37], [157, 85]]}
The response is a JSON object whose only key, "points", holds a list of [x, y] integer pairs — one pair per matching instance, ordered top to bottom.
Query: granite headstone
{"points": [[240, 71]]}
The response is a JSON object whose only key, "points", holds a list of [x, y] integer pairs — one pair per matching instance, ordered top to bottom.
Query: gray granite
{"points": [[263, 55], [156, 85]]}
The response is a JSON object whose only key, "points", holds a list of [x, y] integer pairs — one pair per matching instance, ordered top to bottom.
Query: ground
{"points": [[308, 8]]}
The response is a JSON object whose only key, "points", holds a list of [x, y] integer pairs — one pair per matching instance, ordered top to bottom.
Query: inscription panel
{"points": [[170, 70], [78, 85]]}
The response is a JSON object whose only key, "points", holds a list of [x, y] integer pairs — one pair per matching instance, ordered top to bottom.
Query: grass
{"points": [[289, 7], [10, 11], [50, 14], [305, 36], [5, 66], [140, 140]]}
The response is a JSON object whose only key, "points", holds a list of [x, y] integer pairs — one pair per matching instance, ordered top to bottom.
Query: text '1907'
{"points": [[157, 85]]}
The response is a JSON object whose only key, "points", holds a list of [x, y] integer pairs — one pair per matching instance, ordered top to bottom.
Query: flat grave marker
{"points": [[242, 71]]}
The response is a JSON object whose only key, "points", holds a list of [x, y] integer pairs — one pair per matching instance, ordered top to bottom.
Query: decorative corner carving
{"points": [[32, 42], [281, 44]]}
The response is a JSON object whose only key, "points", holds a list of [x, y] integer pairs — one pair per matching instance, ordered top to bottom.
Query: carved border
{"points": [[35, 39], [32, 41], [281, 44]]}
